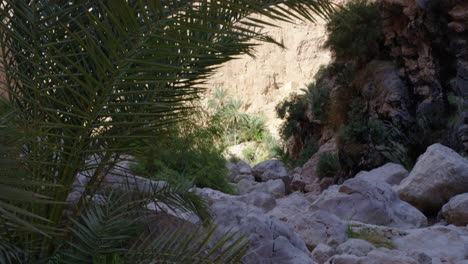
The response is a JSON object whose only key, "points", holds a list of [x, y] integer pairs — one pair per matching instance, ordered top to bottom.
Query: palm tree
{"points": [[85, 79]]}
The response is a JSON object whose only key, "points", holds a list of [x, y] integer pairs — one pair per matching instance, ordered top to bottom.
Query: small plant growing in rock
{"points": [[328, 165]]}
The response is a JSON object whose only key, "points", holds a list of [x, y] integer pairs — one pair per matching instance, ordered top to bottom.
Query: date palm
{"points": [[87, 78]]}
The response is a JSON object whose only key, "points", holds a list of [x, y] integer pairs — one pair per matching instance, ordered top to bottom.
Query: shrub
{"points": [[355, 31], [319, 97], [292, 110], [310, 149], [191, 158], [328, 165]]}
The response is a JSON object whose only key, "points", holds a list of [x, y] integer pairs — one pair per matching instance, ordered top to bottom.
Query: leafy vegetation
{"points": [[354, 31], [85, 80], [310, 149], [189, 155], [328, 165]]}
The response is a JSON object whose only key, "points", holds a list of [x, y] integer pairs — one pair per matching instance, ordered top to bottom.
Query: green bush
{"points": [[355, 31], [319, 97], [292, 110], [309, 149], [190, 158], [328, 165]]}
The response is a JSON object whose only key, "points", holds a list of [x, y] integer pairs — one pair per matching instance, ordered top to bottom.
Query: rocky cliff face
{"points": [[428, 39], [262, 82]]}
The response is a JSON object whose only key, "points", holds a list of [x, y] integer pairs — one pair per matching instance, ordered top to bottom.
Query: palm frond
{"points": [[86, 78], [108, 226]]}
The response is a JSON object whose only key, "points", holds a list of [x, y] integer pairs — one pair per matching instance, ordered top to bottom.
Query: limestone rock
{"points": [[264, 81], [269, 170], [390, 173], [439, 174], [274, 187], [262, 200], [369, 202], [456, 210], [316, 227], [270, 241], [441, 242], [357, 247], [322, 253], [386, 256], [343, 259]]}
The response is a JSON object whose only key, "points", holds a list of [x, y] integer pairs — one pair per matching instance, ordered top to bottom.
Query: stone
{"points": [[243, 167], [269, 170], [233, 171], [390, 173], [438, 175], [241, 177], [325, 183], [245, 185], [274, 187], [265, 201], [369, 202], [290, 206], [456, 210], [315, 227], [270, 241], [435, 241], [357, 247], [322, 253], [387, 256], [343, 259]]}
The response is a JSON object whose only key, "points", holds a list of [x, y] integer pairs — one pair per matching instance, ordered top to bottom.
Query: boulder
{"points": [[243, 167], [269, 170], [390, 173], [439, 174], [241, 177], [245, 184], [274, 187], [265, 201], [370, 202], [290, 206], [456, 210], [315, 227], [270, 241], [445, 243], [357, 247], [322, 253], [387, 256], [343, 259]]}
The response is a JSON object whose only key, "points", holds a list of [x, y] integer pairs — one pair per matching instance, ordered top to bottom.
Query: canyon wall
{"points": [[264, 81]]}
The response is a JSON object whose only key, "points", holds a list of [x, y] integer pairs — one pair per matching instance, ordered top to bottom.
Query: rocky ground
{"points": [[387, 215]]}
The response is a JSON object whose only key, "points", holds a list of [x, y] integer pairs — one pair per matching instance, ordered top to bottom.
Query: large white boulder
{"points": [[269, 170], [390, 173], [439, 174], [274, 187], [372, 202], [456, 210], [318, 227], [270, 241], [445, 243], [357, 247]]}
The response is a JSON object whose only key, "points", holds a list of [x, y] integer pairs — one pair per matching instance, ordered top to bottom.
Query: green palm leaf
{"points": [[87, 78]]}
